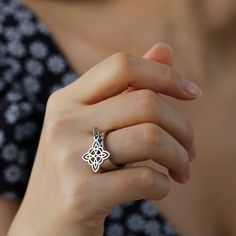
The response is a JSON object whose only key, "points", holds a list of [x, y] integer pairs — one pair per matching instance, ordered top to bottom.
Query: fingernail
{"points": [[161, 45], [164, 45], [192, 89]]}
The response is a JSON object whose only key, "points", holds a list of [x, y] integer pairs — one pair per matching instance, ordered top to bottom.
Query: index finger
{"points": [[121, 70]]}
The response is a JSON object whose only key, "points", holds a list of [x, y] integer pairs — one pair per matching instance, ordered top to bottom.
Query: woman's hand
{"points": [[64, 196]]}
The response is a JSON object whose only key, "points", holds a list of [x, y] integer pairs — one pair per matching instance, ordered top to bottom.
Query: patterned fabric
{"points": [[31, 68], [138, 218]]}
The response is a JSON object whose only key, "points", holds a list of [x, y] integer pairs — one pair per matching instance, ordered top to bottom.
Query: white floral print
{"points": [[31, 68]]}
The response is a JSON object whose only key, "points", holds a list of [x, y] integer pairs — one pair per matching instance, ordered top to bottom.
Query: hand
{"points": [[64, 196]]}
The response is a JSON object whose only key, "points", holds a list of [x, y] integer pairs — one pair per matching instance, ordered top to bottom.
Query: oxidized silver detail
{"points": [[96, 155]]}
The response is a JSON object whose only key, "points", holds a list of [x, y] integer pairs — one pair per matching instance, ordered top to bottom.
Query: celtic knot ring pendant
{"points": [[96, 155]]}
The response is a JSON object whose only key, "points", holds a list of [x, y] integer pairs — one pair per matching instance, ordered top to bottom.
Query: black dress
{"points": [[31, 68]]}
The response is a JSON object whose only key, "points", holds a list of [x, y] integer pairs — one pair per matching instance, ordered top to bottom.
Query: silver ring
{"points": [[96, 155]]}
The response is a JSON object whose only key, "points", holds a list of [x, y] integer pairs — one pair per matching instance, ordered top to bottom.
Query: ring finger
{"points": [[143, 106], [149, 141]]}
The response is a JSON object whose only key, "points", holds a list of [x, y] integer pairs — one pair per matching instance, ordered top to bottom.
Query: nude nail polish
{"points": [[192, 89]]}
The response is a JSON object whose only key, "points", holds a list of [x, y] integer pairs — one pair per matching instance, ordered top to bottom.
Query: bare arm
{"points": [[8, 209]]}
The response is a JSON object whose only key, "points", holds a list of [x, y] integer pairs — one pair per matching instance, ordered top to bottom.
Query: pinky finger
{"points": [[129, 184]]}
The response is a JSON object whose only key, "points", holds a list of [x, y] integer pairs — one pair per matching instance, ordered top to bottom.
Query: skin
{"points": [[202, 38], [80, 208]]}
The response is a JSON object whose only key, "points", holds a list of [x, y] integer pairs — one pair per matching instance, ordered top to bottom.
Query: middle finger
{"points": [[143, 106]]}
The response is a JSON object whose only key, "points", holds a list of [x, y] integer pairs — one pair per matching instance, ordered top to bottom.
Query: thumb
{"points": [[160, 52]]}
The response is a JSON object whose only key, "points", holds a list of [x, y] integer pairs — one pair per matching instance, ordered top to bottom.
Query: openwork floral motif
{"points": [[96, 154]]}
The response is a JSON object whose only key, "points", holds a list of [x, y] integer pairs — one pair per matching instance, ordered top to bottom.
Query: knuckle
{"points": [[123, 59], [123, 63], [167, 75], [54, 99], [146, 103], [57, 125], [189, 132], [149, 133], [67, 153], [183, 162], [147, 180], [163, 188]]}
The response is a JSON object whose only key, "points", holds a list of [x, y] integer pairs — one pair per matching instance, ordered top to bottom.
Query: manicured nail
{"points": [[164, 45], [157, 46], [191, 89]]}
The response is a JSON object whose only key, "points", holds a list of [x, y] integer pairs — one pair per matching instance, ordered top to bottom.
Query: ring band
{"points": [[96, 155]]}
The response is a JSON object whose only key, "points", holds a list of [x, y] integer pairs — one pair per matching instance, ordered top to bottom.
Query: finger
{"points": [[162, 53], [120, 71], [143, 106], [148, 141], [117, 187]]}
